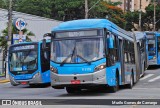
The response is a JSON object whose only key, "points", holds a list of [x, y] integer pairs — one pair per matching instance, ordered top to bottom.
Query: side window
{"points": [[132, 47], [116, 48], [114, 51], [125, 51], [129, 51], [129, 57], [125, 58]]}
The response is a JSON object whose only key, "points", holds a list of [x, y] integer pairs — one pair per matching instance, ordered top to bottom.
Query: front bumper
{"points": [[152, 62], [96, 78], [36, 79]]}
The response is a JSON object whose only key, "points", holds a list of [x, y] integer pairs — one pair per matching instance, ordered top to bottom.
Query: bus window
{"points": [[125, 58], [129, 58]]}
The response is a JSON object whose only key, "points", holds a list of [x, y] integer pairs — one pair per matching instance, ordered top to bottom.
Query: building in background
{"points": [[144, 4], [132, 5]]}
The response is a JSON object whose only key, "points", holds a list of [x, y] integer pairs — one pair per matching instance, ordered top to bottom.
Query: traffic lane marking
{"points": [[147, 76], [153, 79]]}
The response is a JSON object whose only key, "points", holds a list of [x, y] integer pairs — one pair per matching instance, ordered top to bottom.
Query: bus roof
{"points": [[82, 24], [90, 24], [152, 33], [139, 35]]}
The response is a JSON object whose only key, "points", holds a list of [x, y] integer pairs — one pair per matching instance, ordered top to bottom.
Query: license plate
{"points": [[75, 81], [24, 83]]}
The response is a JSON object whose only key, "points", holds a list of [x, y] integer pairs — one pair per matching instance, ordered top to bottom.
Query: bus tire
{"points": [[144, 66], [144, 69], [32, 85], [130, 85], [116, 87], [72, 90]]}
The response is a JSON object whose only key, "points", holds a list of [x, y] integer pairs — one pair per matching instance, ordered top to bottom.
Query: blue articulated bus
{"points": [[153, 45], [142, 51], [91, 53], [29, 63]]}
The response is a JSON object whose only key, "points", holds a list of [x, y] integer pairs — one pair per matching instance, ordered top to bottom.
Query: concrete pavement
{"points": [[146, 88]]}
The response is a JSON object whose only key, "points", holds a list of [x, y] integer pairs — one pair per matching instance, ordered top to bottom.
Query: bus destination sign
{"points": [[79, 33], [23, 47]]}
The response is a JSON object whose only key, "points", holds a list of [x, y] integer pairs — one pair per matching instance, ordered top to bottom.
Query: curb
{"points": [[4, 81]]}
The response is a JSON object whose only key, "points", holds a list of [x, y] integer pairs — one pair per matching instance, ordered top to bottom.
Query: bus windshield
{"points": [[77, 50], [23, 60]]}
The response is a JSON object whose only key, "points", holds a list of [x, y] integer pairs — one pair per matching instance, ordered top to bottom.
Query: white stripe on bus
{"points": [[147, 76], [151, 80]]}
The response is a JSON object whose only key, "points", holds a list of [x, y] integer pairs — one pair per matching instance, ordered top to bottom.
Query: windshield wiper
{"points": [[71, 55], [65, 59], [84, 59]]}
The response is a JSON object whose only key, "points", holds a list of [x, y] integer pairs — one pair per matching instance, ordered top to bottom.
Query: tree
{"points": [[4, 4], [36, 7], [66, 10], [116, 15], [149, 15], [147, 18], [131, 19]]}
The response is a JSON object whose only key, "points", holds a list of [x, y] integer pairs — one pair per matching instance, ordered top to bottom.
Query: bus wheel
{"points": [[131, 81], [32, 85], [116, 87], [72, 90]]}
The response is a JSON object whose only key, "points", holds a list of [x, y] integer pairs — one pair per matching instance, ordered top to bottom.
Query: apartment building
{"points": [[132, 5]]}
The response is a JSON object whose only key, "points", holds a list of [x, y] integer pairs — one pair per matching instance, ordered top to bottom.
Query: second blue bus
{"points": [[153, 45], [29, 63]]}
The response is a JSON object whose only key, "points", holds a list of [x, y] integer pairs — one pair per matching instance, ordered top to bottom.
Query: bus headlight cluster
{"points": [[154, 57], [100, 67], [52, 69], [37, 74]]}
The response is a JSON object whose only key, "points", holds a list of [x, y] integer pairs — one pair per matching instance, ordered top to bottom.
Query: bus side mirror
{"points": [[47, 35], [110, 42], [44, 44]]}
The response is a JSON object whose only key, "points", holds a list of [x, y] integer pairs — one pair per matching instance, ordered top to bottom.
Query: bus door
{"points": [[158, 49], [152, 50], [139, 57], [45, 58], [121, 59]]}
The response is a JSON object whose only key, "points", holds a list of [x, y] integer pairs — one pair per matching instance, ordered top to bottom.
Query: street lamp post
{"points": [[86, 7], [140, 15], [154, 18], [10, 20], [9, 29]]}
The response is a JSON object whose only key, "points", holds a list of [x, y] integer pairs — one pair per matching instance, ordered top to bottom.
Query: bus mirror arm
{"points": [[47, 35], [110, 43], [44, 44]]}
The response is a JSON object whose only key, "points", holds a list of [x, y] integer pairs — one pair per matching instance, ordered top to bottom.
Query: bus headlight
{"points": [[154, 57], [100, 67], [52, 69], [37, 74]]}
